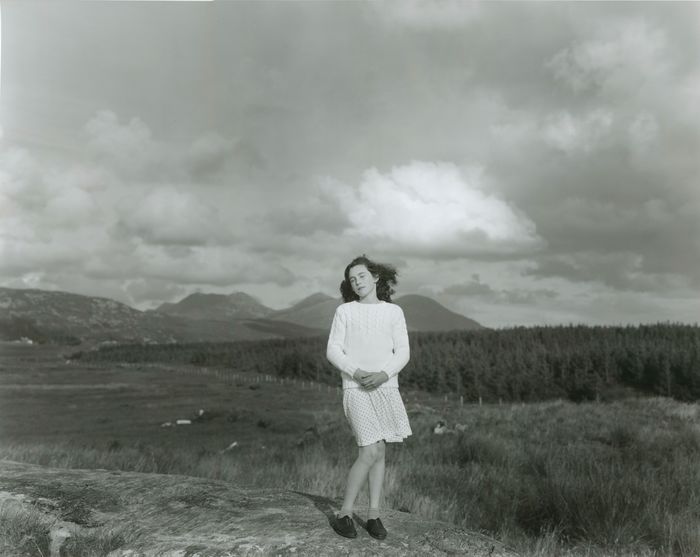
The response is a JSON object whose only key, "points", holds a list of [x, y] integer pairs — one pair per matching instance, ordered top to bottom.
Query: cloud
{"points": [[427, 14], [629, 55], [586, 131], [643, 133], [571, 134], [128, 148], [130, 152], [208, 154], [212, 157], [432, 209], [307, 214], [167, 215], [103, 220], [212, 265], [619, 270], [472, 288], [477, 289], [144, 290]]}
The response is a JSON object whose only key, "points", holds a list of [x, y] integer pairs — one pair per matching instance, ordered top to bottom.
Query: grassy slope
{"points": [[589, 479]]}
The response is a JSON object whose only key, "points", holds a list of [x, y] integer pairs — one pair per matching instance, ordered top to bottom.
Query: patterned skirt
{"points": [[375, 415]]}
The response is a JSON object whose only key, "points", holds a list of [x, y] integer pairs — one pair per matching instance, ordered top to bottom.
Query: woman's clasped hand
{"points": [[370, 380]]}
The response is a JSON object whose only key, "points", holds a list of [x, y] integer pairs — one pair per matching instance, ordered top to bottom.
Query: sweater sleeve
{"points": [[399, 334], [334, 352]]}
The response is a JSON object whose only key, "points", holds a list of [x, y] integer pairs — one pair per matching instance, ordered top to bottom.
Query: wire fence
{"points": [[231, 376]]}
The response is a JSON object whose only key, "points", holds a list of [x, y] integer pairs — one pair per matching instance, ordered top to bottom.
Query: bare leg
{"points": [[357, 477], [376, 482]]}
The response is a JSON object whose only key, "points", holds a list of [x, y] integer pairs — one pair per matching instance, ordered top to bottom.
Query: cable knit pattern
{"points": [[371, 337]]}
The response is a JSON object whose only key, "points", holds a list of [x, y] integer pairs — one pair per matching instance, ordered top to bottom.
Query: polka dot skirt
{"points": [[375, 415]]}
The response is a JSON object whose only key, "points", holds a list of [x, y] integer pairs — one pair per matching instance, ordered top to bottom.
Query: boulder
{"points": [[170, 515]]}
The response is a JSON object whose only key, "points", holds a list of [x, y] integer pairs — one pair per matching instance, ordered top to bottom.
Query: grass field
{"points": [[548, 479]]}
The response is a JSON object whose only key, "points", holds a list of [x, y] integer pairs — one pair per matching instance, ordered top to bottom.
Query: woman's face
{"points": [[362, 281]]}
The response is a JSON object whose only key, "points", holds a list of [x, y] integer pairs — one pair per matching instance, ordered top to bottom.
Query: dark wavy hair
{"points": [[387, 278]]}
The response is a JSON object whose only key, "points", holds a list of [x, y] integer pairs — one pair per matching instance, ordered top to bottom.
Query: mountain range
{"points": [[55, 316]]}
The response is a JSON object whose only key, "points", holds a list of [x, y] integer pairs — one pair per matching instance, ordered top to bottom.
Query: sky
{"points": [[521, 163]]}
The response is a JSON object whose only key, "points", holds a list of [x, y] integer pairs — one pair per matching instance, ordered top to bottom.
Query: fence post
{"points": [[461, 400]]}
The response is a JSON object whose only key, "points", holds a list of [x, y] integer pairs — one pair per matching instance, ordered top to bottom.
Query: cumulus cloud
{"points": [[586, 131], [127, 148], [432, 209], [46, 210], [168, 215], [104, 218], [214, 265]]}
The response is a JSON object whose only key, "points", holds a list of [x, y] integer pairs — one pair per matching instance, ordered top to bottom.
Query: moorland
{"points": [[586, 474]]}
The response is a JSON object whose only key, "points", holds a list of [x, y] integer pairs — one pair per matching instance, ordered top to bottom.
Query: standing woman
{"points": [[368, 344]]}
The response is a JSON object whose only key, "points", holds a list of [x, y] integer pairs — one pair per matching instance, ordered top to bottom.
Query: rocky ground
{"points": [[168, 515]]}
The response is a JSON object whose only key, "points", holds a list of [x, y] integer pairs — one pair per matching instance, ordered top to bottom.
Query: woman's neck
{"points": [[369, 300]]}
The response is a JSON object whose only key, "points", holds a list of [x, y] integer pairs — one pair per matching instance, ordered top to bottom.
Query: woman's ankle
{"points": [[344, 512], [373, 512]]}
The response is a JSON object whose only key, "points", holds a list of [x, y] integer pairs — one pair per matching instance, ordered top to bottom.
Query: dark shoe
{"points": [[344, 526], [376, 528]]}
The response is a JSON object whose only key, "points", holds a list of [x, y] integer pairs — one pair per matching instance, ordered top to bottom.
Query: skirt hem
{"points": [[397, 439]]}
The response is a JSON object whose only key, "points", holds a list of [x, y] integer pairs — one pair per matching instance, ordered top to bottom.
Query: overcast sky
{"points": [[521, 163]]}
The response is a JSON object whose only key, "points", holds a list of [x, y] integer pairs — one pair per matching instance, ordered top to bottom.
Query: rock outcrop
{"points": [[168, 515]]}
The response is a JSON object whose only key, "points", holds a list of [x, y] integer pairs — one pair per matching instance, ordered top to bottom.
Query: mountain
{"points": [[238, 305], [316, 311], [422, 314], [425, 314], [62, 317]]}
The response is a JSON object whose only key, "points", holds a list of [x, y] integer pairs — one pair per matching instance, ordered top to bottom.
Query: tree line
{"points": [[575, 362]]}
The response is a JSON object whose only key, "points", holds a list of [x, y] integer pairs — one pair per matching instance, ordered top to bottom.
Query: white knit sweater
{"points": [[371, 337]]}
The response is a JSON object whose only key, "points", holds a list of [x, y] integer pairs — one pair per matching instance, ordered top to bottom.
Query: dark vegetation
{"points": [[16, 327], [522, 364]]}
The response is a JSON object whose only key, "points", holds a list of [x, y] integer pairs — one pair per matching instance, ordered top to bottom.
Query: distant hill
{"points": [[238, 305], [315, 311], [422, 313], [425, 314], [51, 316], [62, 317]]}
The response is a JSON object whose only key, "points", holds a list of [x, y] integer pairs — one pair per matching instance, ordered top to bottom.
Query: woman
{"points": [[368, 344]]}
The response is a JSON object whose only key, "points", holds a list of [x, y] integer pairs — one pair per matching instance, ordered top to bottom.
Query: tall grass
{"points": [[553, 478], [23, 530]]}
